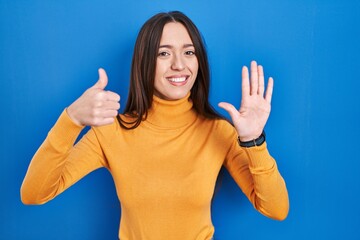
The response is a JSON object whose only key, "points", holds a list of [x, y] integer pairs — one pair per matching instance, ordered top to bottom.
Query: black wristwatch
{"points": [[255, 142]]}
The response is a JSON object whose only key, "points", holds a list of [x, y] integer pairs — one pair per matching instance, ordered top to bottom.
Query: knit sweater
{"points": [[164, 171]]}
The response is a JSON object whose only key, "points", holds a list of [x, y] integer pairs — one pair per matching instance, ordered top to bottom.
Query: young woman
{"points": [[165, 152]]}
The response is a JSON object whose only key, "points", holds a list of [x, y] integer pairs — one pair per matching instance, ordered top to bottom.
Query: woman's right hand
{"points": [[96, 106]]}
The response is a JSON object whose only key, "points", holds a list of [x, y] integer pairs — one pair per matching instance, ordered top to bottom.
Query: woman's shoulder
{"points": [[224, 124], [220, 126], [218, 131]]}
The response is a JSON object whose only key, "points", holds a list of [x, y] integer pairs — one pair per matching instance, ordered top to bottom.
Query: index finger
{"points": [[112, 96]]}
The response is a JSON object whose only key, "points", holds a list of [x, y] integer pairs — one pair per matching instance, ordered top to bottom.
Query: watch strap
{"points": [[252, 143]]}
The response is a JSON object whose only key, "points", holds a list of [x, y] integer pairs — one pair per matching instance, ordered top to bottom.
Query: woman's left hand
{"points": [[255, 107]]}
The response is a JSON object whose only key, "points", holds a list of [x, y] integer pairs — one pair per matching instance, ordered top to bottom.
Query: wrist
{"points": [[71, 115], [248, 138], [253, 142]]}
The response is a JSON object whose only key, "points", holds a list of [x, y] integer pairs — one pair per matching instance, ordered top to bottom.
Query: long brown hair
{"points": [[143, 67]]}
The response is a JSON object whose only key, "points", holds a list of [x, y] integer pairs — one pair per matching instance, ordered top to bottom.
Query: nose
{"points": [[178, 63]]}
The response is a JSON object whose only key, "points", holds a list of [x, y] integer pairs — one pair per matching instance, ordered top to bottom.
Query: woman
{"points": [[166, 150]]}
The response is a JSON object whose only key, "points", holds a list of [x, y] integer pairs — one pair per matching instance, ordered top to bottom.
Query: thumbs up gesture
{"points": [[96, 106]]}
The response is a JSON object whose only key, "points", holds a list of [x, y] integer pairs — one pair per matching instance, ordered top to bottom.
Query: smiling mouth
{"points": [[177, 79]]}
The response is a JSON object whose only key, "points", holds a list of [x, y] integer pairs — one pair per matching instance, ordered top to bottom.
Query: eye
{"points": [[190, 53], [163, 54]]}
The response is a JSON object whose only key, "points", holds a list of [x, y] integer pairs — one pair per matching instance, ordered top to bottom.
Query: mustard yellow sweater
{"points": [[164, 171]]}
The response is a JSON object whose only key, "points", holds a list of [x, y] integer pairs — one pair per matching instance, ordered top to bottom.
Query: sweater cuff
{"points": [[65, 130], [259, 157]]}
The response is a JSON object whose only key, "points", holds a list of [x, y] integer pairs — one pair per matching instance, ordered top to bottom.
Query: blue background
{"points": [[50, 52]]}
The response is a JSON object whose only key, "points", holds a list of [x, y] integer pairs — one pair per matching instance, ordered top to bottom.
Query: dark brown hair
{"points": [[144, 64]]}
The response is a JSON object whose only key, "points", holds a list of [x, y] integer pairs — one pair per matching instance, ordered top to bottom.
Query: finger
{"points": [[253, 78], [103, 80], [261, 80], [245, 82], [269, 90], [107, 96], [112, 96], [110, 105], [230, 109], [109, 113], [107, 121]]}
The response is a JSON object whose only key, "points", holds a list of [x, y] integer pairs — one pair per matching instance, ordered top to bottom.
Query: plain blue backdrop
{"points": [[50, 52]]}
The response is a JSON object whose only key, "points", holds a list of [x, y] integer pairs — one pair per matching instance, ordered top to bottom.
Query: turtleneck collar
{"points": [[171, 114]]}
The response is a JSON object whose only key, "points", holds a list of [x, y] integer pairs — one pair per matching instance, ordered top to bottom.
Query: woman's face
{"points": [[176, 64]]}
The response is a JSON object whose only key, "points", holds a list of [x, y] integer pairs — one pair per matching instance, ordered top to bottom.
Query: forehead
{"points": [[175, 33]]}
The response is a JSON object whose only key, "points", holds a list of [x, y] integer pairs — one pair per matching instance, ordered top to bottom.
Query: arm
{"points": [[58, 163], [253, 168], [256, 173]]}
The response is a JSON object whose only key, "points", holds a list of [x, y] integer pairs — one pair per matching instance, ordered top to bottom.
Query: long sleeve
{"points": [[58, 164], [256, 173]]}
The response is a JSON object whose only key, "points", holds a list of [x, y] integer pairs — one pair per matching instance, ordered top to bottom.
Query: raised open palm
{"points": [[255, 107]]}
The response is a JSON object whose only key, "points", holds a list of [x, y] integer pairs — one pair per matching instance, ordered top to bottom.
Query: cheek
{"points": [[195, 65], [195, 69], [160, 70], [157, 79]]}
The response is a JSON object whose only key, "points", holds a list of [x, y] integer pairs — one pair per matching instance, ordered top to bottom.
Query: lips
{"points": [[178, 80]]}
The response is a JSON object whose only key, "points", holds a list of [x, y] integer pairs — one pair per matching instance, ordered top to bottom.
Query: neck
{"points": [[171, 114]]}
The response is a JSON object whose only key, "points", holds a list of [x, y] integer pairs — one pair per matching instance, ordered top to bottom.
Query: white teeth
{"points": [[181, 79]]}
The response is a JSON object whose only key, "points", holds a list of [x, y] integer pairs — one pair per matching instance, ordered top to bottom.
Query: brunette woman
{"points": [[166, 150]]}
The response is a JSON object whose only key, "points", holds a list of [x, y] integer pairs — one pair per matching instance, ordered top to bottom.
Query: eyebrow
{"points": [[170, 46]]}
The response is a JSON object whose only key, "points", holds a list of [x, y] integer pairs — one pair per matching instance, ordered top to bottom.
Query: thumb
{"points": [[103, 80], [229, 108]]}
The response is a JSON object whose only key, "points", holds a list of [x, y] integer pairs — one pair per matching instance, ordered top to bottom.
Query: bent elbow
{"points": [[32, 194], [26, 197], [29, 197], [27, 201], [277, 211], [281, 212], [281, 216]]}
